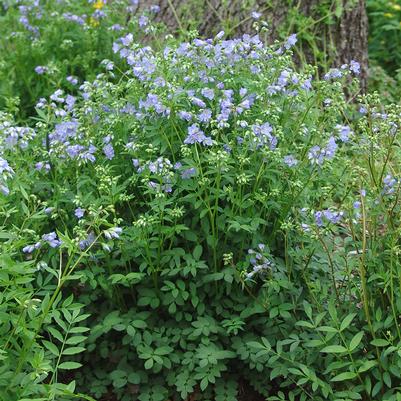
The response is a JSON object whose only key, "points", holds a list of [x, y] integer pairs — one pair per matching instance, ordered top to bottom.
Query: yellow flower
{"points": [[98, 5], [396, 7], [388, 15]]}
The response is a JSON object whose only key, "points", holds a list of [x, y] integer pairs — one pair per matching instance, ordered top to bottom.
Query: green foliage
{"points": [[385, 33], [196, 221], [37, 332]]}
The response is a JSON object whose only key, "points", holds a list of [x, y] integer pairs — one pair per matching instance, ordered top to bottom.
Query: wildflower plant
{"points": [[57, 44], [219, 216]]}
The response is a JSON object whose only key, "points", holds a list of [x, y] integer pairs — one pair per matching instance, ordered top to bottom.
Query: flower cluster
{"points": [[336, 73], [196, 135], [12, 136], [263, 136], [318, 155], [5, 173], [389, 184], [328, 215], [49, 239], [259, 262]]}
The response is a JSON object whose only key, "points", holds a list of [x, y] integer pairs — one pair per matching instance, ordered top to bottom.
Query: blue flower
{"points": [[256, 15], [74, 18], [143, 21], [116, 27], [292, 39], [127, 40], [109, 66], [355, 67], [40, 69], [334, 73], [72, 80], [307, 84], [208, 93], [57, 96], [70, 102], [153, 102], [198, 102], [185, 115], [205, 115], [63, 131], [344, 132], [196, 135], [263, 136], [331, 147], [227, 148], [74, 150], [108, 150], [88, 155], [317, 155], [290, 161], [4, 167], [188, 173], [389, 184], [4, 190], [79, 212], [330, 216], [319, 218], [113, 232], [51, 239], [88, 241], [31, 248], [259, 262]]}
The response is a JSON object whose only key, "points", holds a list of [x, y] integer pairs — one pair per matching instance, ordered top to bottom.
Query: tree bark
{"points": [[328, 34]]}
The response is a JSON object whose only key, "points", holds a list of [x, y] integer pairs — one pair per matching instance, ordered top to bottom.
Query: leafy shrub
{"points": [[385, 33], [382, 82], [218, 217], [37, 332]]}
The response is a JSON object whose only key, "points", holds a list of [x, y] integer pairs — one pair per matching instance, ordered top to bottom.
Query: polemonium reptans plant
{"points": [[224, 219]]}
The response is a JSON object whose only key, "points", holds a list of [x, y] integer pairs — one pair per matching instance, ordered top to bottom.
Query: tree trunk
{"points": [[330, 35]]}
